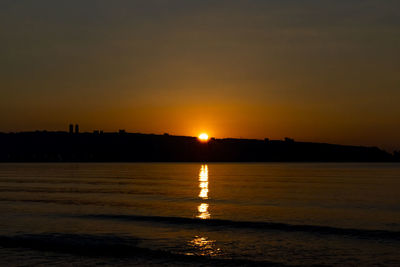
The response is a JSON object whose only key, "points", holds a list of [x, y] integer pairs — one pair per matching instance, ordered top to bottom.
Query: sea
{"points": [[200, 214]]}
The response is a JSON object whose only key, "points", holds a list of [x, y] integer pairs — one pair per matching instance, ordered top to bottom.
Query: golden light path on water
{"points": [[203, 184], [202, 245], [205, 246]]}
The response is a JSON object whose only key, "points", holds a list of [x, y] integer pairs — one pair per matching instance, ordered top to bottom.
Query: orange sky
{"points": [[312, 71]]}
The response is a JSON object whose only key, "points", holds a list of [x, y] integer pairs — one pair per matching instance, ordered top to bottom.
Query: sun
{"points": [[203, 137]]}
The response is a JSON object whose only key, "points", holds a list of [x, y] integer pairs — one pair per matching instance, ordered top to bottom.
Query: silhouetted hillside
{"points": [[112, 147]]}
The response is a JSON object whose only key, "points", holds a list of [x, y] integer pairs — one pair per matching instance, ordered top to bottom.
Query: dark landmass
{"points": [[43, 146]]}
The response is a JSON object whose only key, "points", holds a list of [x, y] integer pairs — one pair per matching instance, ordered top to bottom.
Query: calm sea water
{"points": [[169, 213]]}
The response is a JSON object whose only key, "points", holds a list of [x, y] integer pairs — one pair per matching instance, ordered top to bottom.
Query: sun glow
{"points": [[203, 137]]}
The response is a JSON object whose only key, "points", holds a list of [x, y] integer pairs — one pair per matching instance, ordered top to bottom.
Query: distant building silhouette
{"points": [[71, 128], [76, 128], [121, 131], [289, 140]]}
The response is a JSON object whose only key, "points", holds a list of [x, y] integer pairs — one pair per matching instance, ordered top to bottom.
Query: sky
{"points": [[312, 70]]}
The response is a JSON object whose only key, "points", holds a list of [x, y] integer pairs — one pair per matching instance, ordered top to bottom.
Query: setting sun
{"points": [[203, 137]]}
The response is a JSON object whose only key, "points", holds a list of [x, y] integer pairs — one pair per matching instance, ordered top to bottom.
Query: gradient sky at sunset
{"points": [[313, 70]]}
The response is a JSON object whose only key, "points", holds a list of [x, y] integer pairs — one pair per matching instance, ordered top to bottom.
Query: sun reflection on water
{"points": [[203, 175], [203, 185], [203, 211], [204, 246]]}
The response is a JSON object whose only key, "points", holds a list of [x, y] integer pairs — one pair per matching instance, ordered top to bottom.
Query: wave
{"points": [[77, 181], [79, 191], [78, 202], [316, 229], [113, 246]]}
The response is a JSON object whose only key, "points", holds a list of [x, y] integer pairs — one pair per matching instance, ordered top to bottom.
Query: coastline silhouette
{"points": [[98, 146]]}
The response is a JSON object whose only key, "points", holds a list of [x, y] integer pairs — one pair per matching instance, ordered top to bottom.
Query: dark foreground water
{"points": [[200, 214]]}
